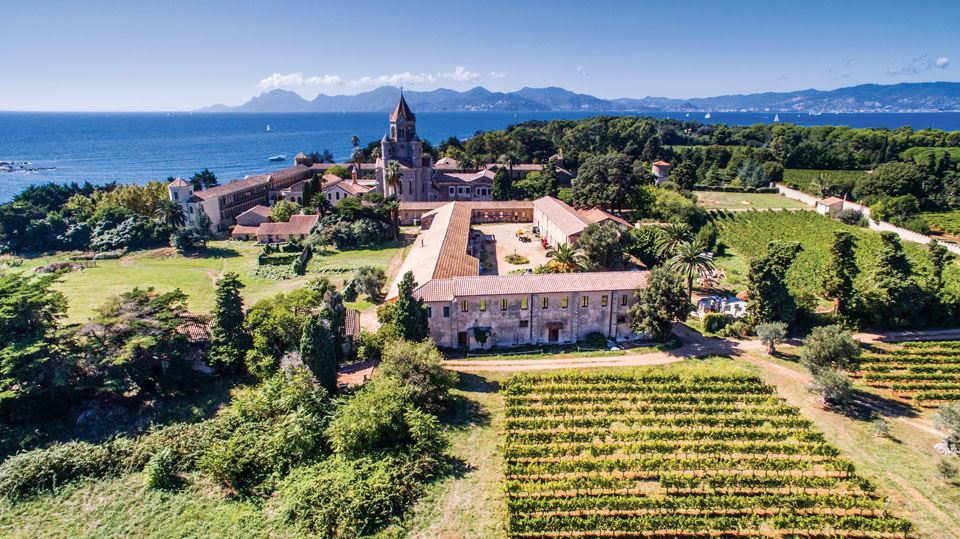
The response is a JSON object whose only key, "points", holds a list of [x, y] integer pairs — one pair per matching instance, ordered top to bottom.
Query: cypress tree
{"points": [[841, 271], [770, 300], [406, 317], [229, 341], [317, 352]]}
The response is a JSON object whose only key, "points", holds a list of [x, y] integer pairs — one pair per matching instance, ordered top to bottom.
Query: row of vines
{"points": [[924, 373], [667, 456]]}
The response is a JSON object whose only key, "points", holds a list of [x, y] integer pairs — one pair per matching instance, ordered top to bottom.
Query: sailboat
{"points": [[707, 117], [776, 117], [268, 128], [281, 157]]}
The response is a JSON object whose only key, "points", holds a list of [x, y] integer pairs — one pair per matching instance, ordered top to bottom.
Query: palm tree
{"points": [[357, 155], [508, 160], [392, 174], [821, 184], [394, 207], [170, 213], [671, 236], [689, 258], [565, 259]]}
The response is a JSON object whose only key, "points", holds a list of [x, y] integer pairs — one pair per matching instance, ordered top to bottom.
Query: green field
{"points": [[921, 154], [802, 178], [716, 200], [945, 221], [749, 234], [197, 274], [627, 456]]}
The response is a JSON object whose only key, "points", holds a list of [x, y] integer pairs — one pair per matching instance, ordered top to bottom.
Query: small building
{"points": [[661, 171], [336, 188], [830, 206], [254, 217], [559, 223], [297, 228], [245, 233], [731, 306], [478, 312]]}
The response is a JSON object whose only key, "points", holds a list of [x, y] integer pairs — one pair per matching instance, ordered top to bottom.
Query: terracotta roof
{"points": [[402, 111], [447, 162], [661, 163], [518, 166], [300, 172], [464, 177], [179, 182], [233, 187], [354, 188], [831, 201], [474, 205], [259, 209], [596, 215], [567, 219], [298, 224], [241, 230], [550, 283], [352, 323], [195, 327]]}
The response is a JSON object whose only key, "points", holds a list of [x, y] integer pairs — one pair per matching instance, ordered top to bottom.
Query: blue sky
{"points": [[181, 55]]}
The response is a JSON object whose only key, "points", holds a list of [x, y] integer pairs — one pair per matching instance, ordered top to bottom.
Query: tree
{"points": [[357, 155], [752, 174], [392, 175], [685, 175], [203, 180], [890, 180], [604, 181], [502, 187], [283, 210], [171, 213], [672, 235], [603, 246], [938, 256], [565, 258], [688, 259], [841, 271], [370, 280], [890, 296], [770, 300], [659, 304], [406, 318], [771, 334], [229, 340], [830, 347], [317, 352], [32, 362], [419, 365], [832, 385], [948, 420]]}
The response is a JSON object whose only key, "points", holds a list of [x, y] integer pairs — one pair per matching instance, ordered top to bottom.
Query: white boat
{"points": [[707, 117], [776, 117], [268, 128], [281, 157]]}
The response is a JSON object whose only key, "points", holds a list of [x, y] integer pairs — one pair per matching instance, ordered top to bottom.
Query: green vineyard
{"points": [[925, 373], [666, 456]]}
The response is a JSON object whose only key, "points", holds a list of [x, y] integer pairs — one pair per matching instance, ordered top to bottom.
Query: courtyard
{"points": [[505, 243]]}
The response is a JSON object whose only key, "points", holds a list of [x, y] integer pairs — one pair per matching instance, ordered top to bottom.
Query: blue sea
{"points": [[140, 147]]}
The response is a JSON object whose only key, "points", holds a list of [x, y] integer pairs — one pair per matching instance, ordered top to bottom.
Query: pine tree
{"points": [[502, 188], [938, 256], [841, 272], [229, 341], [317, 352]]}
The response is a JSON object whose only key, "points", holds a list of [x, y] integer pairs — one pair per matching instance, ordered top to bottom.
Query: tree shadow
{"points": [[213, 252], [865, 406], [465, 412]]}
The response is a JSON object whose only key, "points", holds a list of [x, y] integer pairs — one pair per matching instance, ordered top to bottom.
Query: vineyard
{"points": [[947, 221], [750, 232], [925, 373], [671, 456]]}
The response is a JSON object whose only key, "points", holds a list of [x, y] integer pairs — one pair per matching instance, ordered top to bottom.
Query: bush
{"points": [[852, 217], [516, 259], [715, 322], [771, 334], [595, 339], [419, 365], [186, 442], [40, 470], [161, 471], [342, 497]]}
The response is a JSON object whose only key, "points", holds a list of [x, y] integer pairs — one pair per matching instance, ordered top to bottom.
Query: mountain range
{"points": [[903, 97]]}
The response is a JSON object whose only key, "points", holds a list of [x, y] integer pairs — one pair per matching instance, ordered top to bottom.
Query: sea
{"points": [[142, 147]]}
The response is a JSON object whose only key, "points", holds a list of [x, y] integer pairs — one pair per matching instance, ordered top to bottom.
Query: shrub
{"points": [[852, 217], [516, 259], [715, 322], [739, 329], [771, 334], [595, 339], [418, 365], [948, 420], [881, 429], [186, 442], [40, 470], [161, 471], [342, 497]]}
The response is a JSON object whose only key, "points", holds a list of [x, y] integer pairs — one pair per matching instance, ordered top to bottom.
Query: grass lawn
{"points": [[716, 200], [196, 275]]}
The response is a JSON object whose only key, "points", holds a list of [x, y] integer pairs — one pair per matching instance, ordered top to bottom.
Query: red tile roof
{"points": [[661, 163], [179, 182], [233, 187], [597, 215], [567, 219], [298, 224], [551, 283]]}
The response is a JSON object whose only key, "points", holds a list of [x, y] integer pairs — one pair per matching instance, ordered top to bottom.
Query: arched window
{"points": [[393, 131]]}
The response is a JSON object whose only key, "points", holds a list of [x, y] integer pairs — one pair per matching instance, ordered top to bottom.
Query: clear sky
{"points": [[181, 55]]}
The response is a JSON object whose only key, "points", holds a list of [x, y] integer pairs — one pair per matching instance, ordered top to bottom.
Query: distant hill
{"points": [[904, 97]]}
